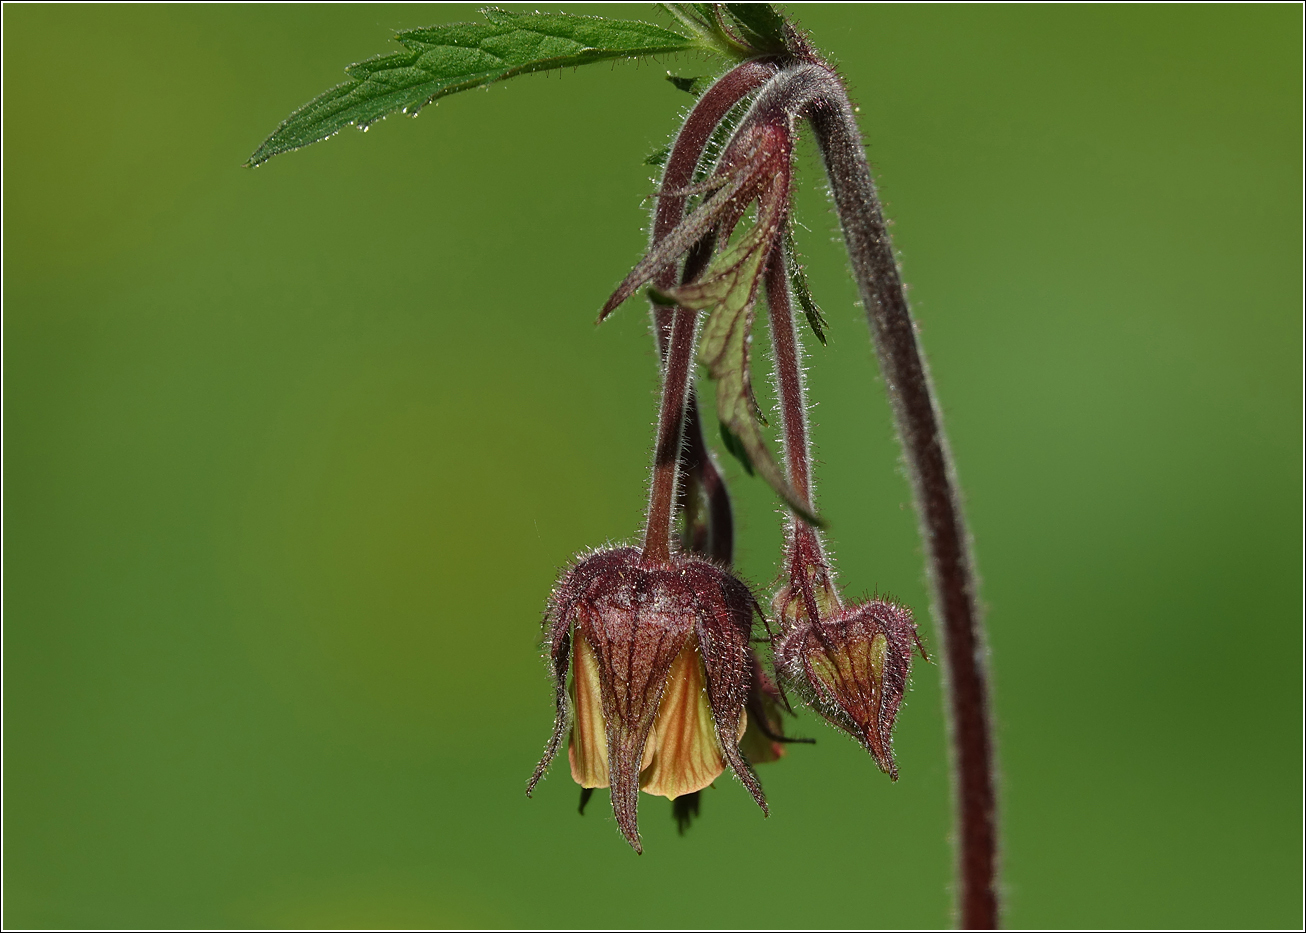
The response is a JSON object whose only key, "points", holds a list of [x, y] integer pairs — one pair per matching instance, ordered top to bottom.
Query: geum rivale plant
{"points": [[657, 683]]}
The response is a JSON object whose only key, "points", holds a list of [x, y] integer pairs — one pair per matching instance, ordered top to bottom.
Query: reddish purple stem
{"points": [[809, 88], [686, 152], [666, 454], [695, 459], [938, 503]]}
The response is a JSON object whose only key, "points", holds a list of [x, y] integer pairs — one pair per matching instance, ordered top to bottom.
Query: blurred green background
{"points": [[293, 456]]}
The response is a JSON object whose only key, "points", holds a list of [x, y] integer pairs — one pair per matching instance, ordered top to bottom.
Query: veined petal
{"points": [[723, 629], [628, 632], [853, 672], [588, 749], [685, 754]]}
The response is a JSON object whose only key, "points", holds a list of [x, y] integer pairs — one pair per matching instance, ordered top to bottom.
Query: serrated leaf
{"points": [[442, 60], [798, 282], [729, 288]]}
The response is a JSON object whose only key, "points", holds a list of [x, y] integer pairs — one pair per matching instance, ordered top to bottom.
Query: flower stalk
{"points": [[806, 88], [671, 422], [714, 535], [806, 564], [949, 564], [849, 661]]}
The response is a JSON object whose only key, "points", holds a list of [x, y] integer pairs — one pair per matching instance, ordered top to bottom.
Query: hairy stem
{"points": [[811, 89], [710, 110], [789, 378], [671, 421], [697, 467], [938, 502], [713, 532], [807, 566]]}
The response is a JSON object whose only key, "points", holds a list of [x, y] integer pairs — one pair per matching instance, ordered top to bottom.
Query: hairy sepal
{"points": [[729, 288]]}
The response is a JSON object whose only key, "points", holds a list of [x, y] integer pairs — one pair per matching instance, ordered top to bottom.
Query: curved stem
{"points": [[809, 88], [686, 152], [671, 421], [697, 467], [938, 503]]}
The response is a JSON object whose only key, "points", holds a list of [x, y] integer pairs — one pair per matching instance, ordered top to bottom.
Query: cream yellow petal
{"points": [[588, 749], [685, 754]]}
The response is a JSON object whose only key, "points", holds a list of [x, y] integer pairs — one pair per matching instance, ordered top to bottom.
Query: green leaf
{"points": [[761, 24], [440, 60], [694, 86], [658, 157], [798, 282], [729, 288], [735, 447]]}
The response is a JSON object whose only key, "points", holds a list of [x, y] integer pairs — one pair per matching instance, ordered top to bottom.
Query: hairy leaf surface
{"points": [[441, 60]]}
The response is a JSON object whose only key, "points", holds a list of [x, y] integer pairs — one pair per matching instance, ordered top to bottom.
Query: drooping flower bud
{"points": [[852, 667], [652, 670]]}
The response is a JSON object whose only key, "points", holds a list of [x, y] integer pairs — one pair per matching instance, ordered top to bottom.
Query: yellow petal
{"points": [[588, 749], [685, 754]]}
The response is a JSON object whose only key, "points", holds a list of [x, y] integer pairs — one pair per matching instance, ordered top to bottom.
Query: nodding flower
{"points": [[652, 673], [657, 687]]}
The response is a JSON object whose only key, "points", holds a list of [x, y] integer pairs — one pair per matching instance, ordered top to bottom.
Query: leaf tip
{"points": [[659, 157], [659, 297], [735, 447], [813, 519]]}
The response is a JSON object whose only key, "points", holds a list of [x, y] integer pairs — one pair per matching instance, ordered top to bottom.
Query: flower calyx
{"points": [[852, 666], [652, 672]]}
